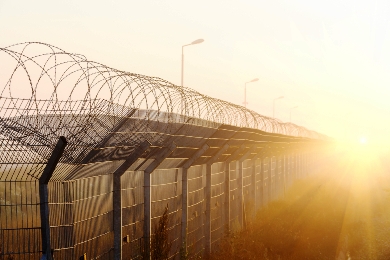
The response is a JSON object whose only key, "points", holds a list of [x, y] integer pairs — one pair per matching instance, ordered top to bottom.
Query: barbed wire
{"points": [[58, 76], [46, 92]]}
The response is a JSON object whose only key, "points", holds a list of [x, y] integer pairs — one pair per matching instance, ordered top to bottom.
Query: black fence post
{"points": [[44, 196], [117, 196]]}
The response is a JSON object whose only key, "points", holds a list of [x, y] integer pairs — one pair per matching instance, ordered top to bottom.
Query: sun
{"points": [[363, 140]]}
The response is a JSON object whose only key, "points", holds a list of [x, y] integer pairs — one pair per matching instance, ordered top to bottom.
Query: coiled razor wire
{"points": [[46, 92]]}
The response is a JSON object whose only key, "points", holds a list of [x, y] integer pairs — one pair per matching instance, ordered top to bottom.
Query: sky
{"points": [[329, 58]]}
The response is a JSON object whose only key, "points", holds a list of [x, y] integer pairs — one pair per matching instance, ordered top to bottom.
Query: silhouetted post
{"points": [[294, 159], [283, 160], [307, 163], [239, 165], [300, 165], [280, 167], [291, 168], [304, 168], [288, 169], [281, 172], [264, 173], [270, 177], [253, 181], [277, 181], [227, 186], [259, 186], [240, 194], [44, 196], [227, 196], [117, 197], [148, 199], [184, 207], [208, 209], [207, 226]]}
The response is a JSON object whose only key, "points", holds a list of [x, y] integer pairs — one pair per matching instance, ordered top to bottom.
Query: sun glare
{"points": [[363, 140]]}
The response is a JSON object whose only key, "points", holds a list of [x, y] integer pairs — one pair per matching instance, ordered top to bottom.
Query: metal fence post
{"points": [[240, 162], [283, 174], [263, 180], [253, 181], [227, 185], [260, 188], [270, 188], [44, 196], [227, 196], [117, 197], [208, 198], [148, 199], [184, 207]]}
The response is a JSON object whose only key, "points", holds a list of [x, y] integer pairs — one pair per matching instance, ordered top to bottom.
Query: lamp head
{"points": [[197, 41]]}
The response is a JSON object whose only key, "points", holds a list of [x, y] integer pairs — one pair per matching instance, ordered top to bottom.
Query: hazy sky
{"points": [[329, 58]]}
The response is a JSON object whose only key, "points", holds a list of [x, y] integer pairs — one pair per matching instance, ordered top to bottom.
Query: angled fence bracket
{"points": [[227, 186], [44, 196], [117, 196], [208, 198], [148, 199], [184, 207], [241, 213]]}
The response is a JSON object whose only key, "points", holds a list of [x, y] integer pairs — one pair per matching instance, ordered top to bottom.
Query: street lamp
{"points": [[182, 56], [182, 66], [253, 80], [291, 110], [273, 111]]}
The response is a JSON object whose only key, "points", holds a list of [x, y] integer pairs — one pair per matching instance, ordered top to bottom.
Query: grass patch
{"points": [[337, 215]]}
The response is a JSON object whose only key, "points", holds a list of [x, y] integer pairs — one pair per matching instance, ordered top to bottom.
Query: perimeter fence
{"points": [[91, 156]]}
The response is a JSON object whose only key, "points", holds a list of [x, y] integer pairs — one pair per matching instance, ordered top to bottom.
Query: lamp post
{"points": [[182, 56], [182, 66], [253, 80], [273, 110], [291, 110]]}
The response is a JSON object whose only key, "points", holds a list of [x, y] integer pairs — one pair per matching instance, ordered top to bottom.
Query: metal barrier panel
{"points": [[293, 168], [287, 171], [279, 176], [273, 178], [266, 181], [259, 184], [247, 188], [166, 191], [234, 197], [217, 202], [196, 210], [132, 213], [93, 216], [61, 218], [20, 228]]}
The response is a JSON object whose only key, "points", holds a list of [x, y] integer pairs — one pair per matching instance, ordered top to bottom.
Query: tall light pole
{"points": [[182, 56], [182, 66], [253, 80], [273, 110], [291, 110]]}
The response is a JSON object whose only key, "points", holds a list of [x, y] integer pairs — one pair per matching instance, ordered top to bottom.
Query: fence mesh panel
{"points": [[105, 115]]}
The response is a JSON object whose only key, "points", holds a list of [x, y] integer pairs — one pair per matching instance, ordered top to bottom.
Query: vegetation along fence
{"points": [[91, 156]]}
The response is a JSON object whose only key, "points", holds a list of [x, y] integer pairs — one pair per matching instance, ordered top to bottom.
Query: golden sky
{"points": [[329, 58]]}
